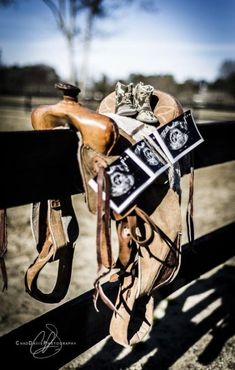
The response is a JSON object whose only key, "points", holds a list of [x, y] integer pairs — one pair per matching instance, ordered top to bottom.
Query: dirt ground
{"points": [[193, 328]]}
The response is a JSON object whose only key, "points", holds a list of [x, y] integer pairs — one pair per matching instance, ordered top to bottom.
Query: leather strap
{"points": [[103, 184], [189, 213], [103, 221], [132, 222], [124, 239], [53, 243], [171, 244], [3, 246]]}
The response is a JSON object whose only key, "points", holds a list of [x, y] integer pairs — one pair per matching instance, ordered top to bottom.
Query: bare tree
{"points": [[94, 9], [101, 9], [65, 14]]}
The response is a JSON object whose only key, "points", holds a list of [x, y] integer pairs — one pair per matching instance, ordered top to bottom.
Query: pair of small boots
{"points": [[135, 101]]}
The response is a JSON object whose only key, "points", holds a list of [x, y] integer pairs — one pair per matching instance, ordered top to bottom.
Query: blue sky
{"points": [[186, 38]]}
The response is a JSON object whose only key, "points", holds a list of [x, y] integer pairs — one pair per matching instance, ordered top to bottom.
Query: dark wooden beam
{"points": [[218, 146], [38, 165], [80, 325]]}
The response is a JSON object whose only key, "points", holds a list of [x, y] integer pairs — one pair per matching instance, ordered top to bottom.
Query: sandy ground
{"points": [[193, 329]]}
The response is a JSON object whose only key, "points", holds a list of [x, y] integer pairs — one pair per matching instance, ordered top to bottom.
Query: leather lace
{"points": [[103, 184], [189, 213], [3, 246]]}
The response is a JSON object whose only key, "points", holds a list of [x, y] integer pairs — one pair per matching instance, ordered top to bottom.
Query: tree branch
{"points": [[57, 13]]}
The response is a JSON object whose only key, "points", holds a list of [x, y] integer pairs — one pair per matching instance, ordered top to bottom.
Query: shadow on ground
{"points": [[181, 328]]}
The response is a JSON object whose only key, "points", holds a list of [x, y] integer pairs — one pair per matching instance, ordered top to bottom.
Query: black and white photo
{"points": [[178, 137], [148, 155], [147, 159], [127, 181]]}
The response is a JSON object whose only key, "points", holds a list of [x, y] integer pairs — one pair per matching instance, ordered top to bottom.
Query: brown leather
{"points": [[165, 108], [97, 131], [99, 134], [148, 232], [103, 237], [54, 241], [125, 245], [3, 246], [149, 252], [134, 316]]}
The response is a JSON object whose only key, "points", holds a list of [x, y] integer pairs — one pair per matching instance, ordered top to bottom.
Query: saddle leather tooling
{"points": [[148, 232]]}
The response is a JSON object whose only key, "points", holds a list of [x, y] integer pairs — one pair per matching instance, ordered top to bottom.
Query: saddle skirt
{"points": [[149, 235]]}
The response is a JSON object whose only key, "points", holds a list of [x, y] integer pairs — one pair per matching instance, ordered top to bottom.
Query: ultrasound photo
{"points": [[179, 136], [147, 155], [141, 164], [127, 180]]}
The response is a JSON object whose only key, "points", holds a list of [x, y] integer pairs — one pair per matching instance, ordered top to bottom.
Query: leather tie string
{"points": [[103, 184], [189, 214], [3, 246]]}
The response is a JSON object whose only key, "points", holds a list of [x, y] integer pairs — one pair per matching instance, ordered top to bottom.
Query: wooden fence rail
{"points": [[38, 165], [42, 165]]}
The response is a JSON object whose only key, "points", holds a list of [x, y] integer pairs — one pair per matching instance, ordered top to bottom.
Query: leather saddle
{"points": [[148, 232]]}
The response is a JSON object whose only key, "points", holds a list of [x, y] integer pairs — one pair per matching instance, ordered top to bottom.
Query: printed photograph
{"points": [[178, 137], [148, 155], [127, 179]]}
